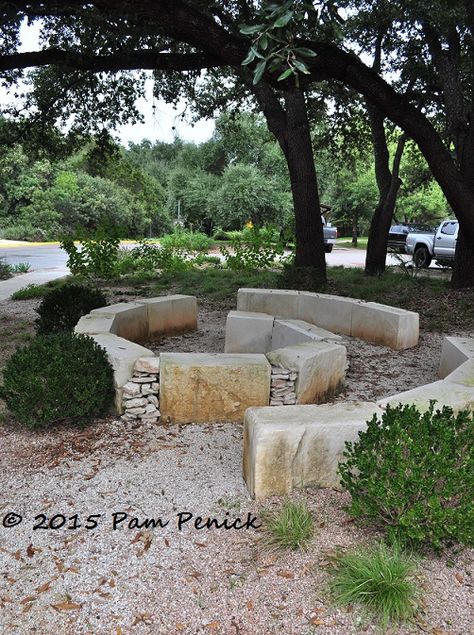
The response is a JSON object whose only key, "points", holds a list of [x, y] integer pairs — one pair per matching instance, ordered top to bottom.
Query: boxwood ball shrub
{"points": [[61, 308], [58, 377], [412, 473]]}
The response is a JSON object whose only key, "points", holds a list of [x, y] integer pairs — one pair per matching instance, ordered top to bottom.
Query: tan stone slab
{"points": [[276, 302], [331, 312], [171, 314], [130, 320], [93, 324], [385, 325], [248, 332], [290, 332], [455, 351], [122, 355], [321, 368], [463, 374], [199, 387], [445, 393], [287, 447]]}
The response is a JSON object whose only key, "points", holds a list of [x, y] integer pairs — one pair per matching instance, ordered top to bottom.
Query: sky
{"points": [[158, 121]]}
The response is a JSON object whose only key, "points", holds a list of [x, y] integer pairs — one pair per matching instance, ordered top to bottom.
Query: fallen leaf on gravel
{"points": [[137, 538], [167, 542], [200, 544], [17, 555], [72, 570], [286, 574], [459, 577], [11, 580], [44, 587], [30, 598], [250, 605], [66, 606], [143, 617], [316, 621], [180, 626], [213, 626], [119, 630], [439, 631]]}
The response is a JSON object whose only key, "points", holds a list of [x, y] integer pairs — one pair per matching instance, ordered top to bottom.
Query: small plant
{"points": [[187, 242], [21, 267], [5, 270], [31, 291], [61, 308], [58, 377], [412, 474], [291, 527], [380, 580]]}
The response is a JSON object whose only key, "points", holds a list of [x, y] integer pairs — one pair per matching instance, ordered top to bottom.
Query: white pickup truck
{"points": [[440, 246]]}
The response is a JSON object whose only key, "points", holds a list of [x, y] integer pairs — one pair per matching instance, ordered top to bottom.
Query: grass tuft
{"points": [[291, 527], [378, 578]]}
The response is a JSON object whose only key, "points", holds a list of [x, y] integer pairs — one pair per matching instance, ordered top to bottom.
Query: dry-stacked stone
{"points": [[282, 387], [141, 392]]}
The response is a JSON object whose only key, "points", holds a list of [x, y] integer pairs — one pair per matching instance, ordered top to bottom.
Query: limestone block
{"points": [[276, 302], [330, 312], [171, 314], [130, 320], [90, 324], [385, 325], [247, 332], [290, 332], [455, 351], [122, 355], [149, 365], [321, 368], [463, 374], [199, 387], [444, 392], [286, 447]]}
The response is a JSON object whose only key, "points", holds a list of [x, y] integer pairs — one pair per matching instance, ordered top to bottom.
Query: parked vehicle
{"points": [[330, 235], [397, 235], [439, 245]]}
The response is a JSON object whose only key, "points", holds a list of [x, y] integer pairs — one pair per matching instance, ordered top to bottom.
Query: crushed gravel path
{"points": [[161, 580]]}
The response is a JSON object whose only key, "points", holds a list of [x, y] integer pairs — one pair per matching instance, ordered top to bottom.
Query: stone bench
{"points": [[376, 323], [248, 332], [291, 332], [455, 351], [320, 365], [213, 387], [446, 393], [288, 447]]}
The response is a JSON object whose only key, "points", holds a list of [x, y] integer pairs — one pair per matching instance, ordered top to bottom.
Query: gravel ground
{"points": [[157, 581]]}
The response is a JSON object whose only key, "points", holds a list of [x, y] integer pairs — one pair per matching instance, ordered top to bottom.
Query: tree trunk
{"points": [[292, 131], [388, 183], [304, 187], [355, 230], [463, 271]]}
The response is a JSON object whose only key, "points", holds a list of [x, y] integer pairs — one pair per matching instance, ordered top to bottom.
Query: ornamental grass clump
{"points": [[61, 308], [58, 377], [412, 474], [291, 527], [379, 579]]}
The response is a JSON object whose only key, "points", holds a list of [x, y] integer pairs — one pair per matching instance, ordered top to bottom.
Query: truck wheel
{"points": [[328, 248], [422, 257]]}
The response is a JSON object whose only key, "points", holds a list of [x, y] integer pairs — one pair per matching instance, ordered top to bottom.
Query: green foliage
{"points": [[187, 242], [254, 250], [98, 255], [21, 267], [5, 270], [30, 292], [61, 308], [58, 377], [412, 474], [291, 527], [379, 579]]}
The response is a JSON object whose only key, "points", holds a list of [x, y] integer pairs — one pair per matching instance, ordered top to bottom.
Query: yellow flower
{"points": [[249, 224]]}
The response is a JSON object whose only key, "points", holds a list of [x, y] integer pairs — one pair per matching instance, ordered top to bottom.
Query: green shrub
{"points": [[187, 241], [254, 249], [98, 255], [152, 257], [21, 267], [31, 291], [61, 308], [58, 377], [412, 473], [290, 527], [380, 579]]}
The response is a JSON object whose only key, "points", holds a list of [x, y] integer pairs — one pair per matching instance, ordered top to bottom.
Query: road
{"points": [[42, 257]]}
